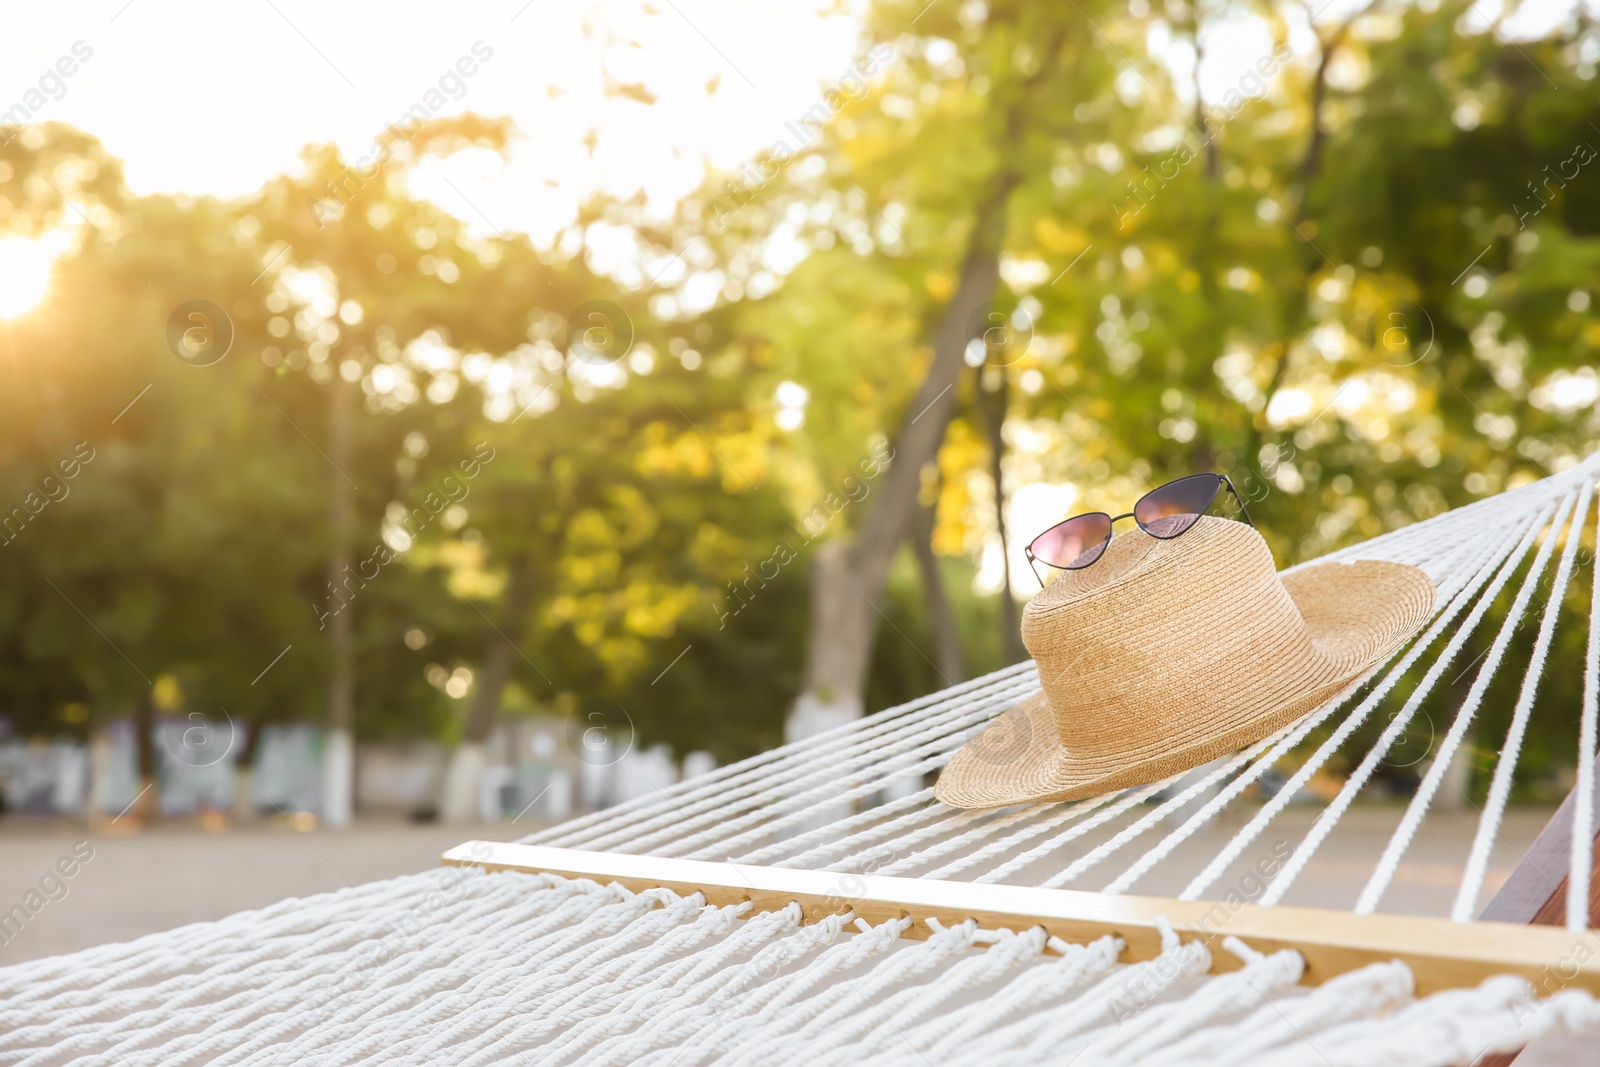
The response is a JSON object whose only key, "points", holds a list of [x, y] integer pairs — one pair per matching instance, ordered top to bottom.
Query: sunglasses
{"points": [[1165, 512]]}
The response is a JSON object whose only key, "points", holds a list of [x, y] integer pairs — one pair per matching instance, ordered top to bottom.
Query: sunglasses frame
{"points": [[1222, 480]]}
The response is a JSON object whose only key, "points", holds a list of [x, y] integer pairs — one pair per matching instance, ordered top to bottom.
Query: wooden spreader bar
{"points": [[1441, 954]]}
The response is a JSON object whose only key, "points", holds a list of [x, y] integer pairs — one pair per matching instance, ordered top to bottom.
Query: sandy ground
{"points": [[166, 876]]}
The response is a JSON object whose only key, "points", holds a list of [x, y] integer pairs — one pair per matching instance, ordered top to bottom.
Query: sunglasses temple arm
{"points": [[1242, 509], [1034, 569]]}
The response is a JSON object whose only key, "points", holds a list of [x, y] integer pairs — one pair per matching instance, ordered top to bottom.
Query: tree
{"points": [[984, 106], [368, 272]]}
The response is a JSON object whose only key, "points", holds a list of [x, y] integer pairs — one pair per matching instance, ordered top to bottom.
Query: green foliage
{"points": [[1205, 289]]}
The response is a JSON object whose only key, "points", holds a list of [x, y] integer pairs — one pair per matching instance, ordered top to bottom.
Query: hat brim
{"points": [[1356, 614]]}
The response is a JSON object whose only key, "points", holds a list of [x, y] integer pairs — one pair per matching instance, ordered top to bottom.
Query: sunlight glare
{"points": [[24, 275]]}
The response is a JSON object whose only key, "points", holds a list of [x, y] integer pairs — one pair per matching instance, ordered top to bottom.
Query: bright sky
{"points": [[215, 98]]}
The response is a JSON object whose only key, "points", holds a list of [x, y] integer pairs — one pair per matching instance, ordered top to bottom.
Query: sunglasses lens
{"points": [[1170, 510], [1073, 544]]}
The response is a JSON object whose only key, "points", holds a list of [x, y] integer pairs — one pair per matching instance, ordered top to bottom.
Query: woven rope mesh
{"points": [[461, 967]]}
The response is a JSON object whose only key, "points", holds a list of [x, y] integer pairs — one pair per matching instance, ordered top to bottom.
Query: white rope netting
{"points": [[461, 967]]}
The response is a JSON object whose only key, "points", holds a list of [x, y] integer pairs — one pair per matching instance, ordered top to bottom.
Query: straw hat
{"points": [[1164, 655]]}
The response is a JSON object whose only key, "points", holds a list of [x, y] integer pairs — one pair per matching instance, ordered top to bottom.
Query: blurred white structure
{"points": [[697, 763], [289, 768], [541, 770], [642, 774], [43, 777], [401, 777]]}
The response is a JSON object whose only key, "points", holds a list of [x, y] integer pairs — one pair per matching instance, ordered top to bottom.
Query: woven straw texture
{"points": [[1165, 655]]}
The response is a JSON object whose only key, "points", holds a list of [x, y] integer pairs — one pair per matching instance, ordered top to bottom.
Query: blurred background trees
{"points": [[445, 475]]}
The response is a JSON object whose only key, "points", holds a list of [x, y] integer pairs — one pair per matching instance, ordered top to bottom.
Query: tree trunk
{"points": [[992, 405], [849, 580], [848, 583], [946, 638], [839, 648], [338, 759], [244, 780], [463, 780], [147, 803], [98, 805]]}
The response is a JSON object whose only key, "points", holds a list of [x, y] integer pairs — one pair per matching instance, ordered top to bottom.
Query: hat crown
{"points": [[1149, 643], [1165, 655]]}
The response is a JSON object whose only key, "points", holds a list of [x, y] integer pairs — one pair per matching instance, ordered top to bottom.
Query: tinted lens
{"points": [[1170, 510], [1073, 544]]}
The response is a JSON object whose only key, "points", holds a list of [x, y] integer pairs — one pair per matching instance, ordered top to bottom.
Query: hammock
{"points": [[470, 965]]}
